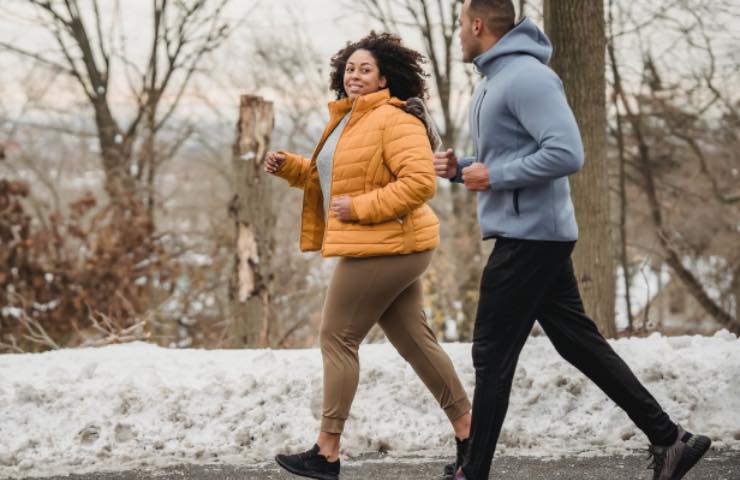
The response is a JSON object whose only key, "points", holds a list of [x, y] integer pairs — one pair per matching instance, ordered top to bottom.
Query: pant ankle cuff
{"points": [[457, 409], [332, 425], [664, 439]]}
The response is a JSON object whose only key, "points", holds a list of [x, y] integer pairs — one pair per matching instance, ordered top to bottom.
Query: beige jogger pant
{"points": [[384, 290]]}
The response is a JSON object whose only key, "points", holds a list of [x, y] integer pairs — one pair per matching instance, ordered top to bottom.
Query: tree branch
{"points": [[58, 67], [673, 257]]}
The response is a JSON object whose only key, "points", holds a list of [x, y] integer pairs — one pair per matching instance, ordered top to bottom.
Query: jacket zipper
{"points": [[477, 115], [322, 141], [331, 183]]}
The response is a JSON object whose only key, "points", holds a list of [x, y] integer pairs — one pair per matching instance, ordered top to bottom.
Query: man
{"points": [[527, 143]]}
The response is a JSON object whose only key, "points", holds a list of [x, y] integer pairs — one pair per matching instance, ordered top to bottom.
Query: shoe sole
{"points": [[691, 456], [317, 476]]}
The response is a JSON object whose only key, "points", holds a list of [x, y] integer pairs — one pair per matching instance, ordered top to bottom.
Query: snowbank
{"points": [[140, 405]]}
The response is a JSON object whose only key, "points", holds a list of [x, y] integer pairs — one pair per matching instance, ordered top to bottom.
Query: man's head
{"points": [[483, 23]]}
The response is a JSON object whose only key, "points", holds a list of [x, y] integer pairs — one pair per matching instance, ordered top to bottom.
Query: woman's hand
{"points": [[274, 162], [341, 206]]}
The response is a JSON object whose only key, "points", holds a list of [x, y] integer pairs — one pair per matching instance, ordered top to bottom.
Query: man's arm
{"points": [[539, 103]]}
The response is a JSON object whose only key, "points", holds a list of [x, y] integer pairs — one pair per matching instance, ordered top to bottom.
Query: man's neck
{"points": [[487, 44]]}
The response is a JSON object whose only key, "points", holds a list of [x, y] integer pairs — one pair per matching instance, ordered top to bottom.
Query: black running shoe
{"points": [[462, 449], [672, 463], [310, 464]]}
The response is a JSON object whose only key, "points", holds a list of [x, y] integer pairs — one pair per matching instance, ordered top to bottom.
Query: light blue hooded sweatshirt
{"points": [[525, 133]]}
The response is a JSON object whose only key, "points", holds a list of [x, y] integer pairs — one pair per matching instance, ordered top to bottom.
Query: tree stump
{"points": [[252, 210]]}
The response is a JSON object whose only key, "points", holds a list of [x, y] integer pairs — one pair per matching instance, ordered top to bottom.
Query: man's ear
{"points": [[477, 26]]}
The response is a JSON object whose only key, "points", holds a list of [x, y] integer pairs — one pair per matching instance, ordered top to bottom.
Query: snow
{"points": [[644, 286], [14, 312], [139, 405]]}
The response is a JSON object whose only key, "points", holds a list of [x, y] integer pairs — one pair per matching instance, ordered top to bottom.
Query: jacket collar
{"points": [[364, 103]]}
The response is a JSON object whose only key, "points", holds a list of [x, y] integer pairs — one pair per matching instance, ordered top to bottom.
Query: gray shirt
{"points": [[325, 160]]}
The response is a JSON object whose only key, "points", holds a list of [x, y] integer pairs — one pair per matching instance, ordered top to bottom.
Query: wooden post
{"points": [[253, 213]]}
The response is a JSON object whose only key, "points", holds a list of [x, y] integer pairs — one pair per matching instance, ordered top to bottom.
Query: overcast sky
{"points": [[328, 24]]}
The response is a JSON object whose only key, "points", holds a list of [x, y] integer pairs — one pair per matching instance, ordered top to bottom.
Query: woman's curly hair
{"points": [[401, 66]]}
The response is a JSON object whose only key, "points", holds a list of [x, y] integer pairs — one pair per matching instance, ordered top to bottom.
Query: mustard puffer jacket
{"points": [[383, 160]]}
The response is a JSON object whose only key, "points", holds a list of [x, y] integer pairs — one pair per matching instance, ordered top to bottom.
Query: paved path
{"points": [[716, 466]]}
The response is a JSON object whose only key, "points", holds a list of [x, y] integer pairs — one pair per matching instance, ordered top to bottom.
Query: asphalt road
{"points": [[716, 466]]}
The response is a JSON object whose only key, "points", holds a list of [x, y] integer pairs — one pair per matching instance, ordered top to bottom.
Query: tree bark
{"points": [[577, 30], [254, 217]]}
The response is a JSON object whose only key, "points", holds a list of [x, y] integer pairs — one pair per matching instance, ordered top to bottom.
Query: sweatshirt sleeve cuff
{"points": [[462, 164]]}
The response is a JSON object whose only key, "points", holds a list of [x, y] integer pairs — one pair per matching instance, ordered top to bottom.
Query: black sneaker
{"points": [[462, 449], [672, 463], [310, 464]]}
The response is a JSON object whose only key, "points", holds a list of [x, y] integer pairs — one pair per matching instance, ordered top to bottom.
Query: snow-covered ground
{"points": [[141, 405]]}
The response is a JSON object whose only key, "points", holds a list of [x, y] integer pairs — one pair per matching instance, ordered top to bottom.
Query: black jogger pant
{"points": [[524, 281]]}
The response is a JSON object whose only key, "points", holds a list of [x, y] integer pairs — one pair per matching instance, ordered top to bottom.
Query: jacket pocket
{"points": [[515, 201], [409, 233]]}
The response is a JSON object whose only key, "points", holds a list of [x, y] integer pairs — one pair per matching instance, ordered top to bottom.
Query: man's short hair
{"points": [[499, 15]]}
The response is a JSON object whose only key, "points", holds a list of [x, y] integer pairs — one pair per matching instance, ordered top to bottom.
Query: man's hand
{"points": [[274, 162], [445, 164], [476, 177], [342, 207]]}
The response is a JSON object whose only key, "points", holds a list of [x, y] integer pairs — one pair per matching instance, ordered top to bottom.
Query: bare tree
{"points": [[577, 29], [88, 52], [619, 134], [681, 147]]}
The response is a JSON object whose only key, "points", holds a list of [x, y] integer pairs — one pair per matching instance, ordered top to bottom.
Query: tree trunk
{"points": [[577, 30], [254, 218], [623, 255], [736, 292]]}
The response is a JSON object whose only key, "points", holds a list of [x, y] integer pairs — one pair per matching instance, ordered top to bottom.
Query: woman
{"points": [[365, 189]]}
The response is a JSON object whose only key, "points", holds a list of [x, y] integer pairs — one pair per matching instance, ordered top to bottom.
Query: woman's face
{"points": [[362, 75]]}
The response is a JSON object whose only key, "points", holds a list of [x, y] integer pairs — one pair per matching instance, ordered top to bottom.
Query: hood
{"points": [[525, 38]]}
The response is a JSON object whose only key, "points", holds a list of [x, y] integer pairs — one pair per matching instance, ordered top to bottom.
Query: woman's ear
{"points": [[383, 82]]}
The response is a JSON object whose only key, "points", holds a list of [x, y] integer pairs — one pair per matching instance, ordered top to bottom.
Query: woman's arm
{"points": [[408, 155], [289, 166]]}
